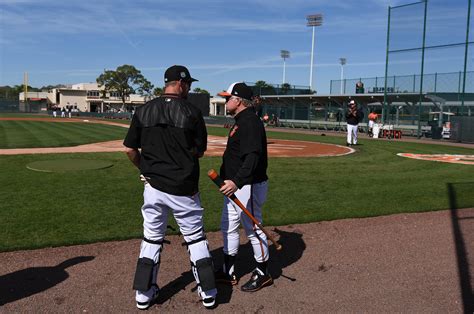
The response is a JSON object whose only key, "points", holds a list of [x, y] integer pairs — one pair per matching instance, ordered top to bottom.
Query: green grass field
{"points": [[22, 134], [52, 209]]}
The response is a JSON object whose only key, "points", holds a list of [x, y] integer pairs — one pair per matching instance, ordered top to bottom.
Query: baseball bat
{"points": [[212, 174]]}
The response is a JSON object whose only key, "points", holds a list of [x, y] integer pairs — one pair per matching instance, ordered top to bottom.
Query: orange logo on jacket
{"points": [[234, 129]]}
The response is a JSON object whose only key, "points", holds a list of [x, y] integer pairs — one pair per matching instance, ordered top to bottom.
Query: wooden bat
{"points": [[212, 174]]}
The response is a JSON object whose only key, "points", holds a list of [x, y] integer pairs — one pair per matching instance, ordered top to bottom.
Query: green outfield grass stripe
{"points": [[99, 131], [3, 132], [74, 132], [20, 134], [51, 135]]}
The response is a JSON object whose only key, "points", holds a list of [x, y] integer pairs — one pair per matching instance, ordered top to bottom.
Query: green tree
{"points": [[125, 80], [261, 84], [263, 88], [158, 91], [200, 91], [13, 92]]}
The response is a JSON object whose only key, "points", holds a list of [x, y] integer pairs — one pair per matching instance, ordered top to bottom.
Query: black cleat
{"points": [[222, 277], [257, 282]]}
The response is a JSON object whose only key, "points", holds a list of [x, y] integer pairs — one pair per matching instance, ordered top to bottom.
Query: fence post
{"points": [[459, 83]]}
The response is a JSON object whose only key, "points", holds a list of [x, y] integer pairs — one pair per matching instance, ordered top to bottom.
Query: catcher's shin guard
{"points": [[203, 270], [143, 274]]}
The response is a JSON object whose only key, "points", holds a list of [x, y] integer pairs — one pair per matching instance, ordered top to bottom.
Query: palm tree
{"points": [[263, 88], [200, 91]]}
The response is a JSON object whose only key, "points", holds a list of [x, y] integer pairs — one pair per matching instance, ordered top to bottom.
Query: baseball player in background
{"points": [[353, 117], [172, 137], [244, 173]]}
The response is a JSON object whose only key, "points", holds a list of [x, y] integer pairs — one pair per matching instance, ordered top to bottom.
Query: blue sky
{"points": [[72, 41]]}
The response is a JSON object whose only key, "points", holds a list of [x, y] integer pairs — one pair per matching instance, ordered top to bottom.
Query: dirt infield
{"points": [[216, 145], [400, 263]]}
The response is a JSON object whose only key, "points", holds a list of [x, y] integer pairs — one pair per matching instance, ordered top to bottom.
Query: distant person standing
{"points": [[63, 112], [69, 112], [55, 114], [353, 117], [372, 119]]}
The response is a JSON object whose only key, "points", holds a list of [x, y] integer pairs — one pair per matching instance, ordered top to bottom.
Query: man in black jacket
{"points": [[353, 117], [172, 136], [244, 171]]}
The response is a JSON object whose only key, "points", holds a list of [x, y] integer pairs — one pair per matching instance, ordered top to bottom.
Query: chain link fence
{"points": [[432, 83]]}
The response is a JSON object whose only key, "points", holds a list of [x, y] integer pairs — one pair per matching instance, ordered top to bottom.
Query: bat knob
{"points": [[212, 174]]}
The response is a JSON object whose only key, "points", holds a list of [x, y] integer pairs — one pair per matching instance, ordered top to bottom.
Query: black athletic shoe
{"points": [[222, 277], [257, 282], [146, 305]]}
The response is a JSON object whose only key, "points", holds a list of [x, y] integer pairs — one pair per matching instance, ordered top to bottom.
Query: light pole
{"points": [[313, 21], [285, 54], [342, 61]]}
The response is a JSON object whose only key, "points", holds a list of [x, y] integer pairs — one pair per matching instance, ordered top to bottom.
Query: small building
{"points": [[89, 97], [34, 102], [217, 106]]}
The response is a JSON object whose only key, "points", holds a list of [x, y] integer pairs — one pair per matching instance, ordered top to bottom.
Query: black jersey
{"points": [[354, 120], [172, 136], [245, 157]]}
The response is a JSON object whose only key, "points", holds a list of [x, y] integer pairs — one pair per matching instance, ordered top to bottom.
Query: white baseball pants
{"points": [[352, 134], [252, 197], [187, 212]]}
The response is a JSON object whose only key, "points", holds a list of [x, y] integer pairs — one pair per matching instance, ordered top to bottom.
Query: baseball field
{"points": [[75, 207], [363, 231]]}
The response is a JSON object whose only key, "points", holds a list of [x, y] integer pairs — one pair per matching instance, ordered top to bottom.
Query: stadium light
{"points": [[313, 21], [285, 54], [342, 61]]}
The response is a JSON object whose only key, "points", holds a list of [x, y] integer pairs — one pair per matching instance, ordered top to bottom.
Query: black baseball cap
{"points": [[178, 72], [238, 89]]}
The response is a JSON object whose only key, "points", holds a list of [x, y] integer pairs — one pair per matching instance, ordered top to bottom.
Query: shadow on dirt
{"points": [[460, 196], [293, 247], [29, 281]]}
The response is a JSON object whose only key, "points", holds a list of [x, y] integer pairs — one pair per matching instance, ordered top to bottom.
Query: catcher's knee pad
{"points": [[194, 237], [197, 244], [203, 270], [144, 274]]}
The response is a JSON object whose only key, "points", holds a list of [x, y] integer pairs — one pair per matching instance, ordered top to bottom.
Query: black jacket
{"points": [[354, 120], [172, 135], [245, 158]]}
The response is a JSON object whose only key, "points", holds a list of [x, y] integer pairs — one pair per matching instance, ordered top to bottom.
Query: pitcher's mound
{"points": [[61, 165]]}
